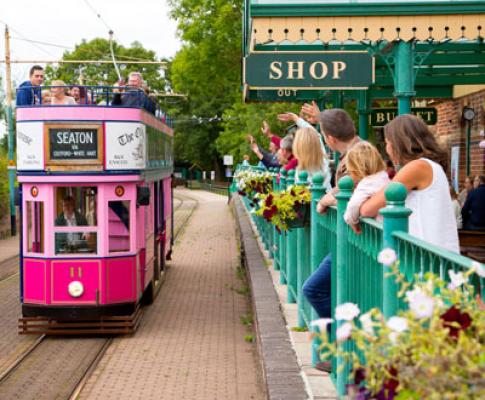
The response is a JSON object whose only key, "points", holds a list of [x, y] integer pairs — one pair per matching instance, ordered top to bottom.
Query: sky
{"points": [[66, 22]]}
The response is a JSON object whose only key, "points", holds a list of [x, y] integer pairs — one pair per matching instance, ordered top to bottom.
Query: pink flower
{"points": [[343, 332]]}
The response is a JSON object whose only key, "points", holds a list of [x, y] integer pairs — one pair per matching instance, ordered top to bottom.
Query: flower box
{"points": [[303, 217]]}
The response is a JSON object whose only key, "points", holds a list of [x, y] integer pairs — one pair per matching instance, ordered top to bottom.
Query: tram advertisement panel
{"points": [[77, 145], [125, 145], [30, 148]]}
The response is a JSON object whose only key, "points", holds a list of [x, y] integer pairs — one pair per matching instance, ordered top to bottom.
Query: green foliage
{"points": [[207, 70], [105, 74], [242, 119], [4, 192], [249, 338]]}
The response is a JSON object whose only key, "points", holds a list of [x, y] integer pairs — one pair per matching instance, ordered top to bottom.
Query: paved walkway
{"points": [[9, 248], [191, 342]]}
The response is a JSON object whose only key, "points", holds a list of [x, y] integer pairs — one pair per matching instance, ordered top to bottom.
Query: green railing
{"points": [[357, 276]]}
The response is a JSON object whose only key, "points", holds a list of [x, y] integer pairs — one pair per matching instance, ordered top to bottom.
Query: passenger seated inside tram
{"points": [[59, 96], [70, 241]]}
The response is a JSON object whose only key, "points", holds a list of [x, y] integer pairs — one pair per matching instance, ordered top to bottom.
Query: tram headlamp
{"points": [[75, 289]]}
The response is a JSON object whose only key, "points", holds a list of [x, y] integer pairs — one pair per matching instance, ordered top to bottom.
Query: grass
{"points": [[247, 320], [299, 329], [249, 338]]}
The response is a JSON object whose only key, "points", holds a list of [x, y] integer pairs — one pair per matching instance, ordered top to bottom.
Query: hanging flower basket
{"points": [[288, 209], [302, 216]]}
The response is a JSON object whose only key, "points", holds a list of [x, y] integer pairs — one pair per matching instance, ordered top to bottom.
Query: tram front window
{"points": [[75, 208], [35, 226]]}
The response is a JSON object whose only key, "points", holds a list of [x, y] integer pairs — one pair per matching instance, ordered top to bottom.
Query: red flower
{"points": [[292, 192], [269, 200], [268, 213], [453, 317]]}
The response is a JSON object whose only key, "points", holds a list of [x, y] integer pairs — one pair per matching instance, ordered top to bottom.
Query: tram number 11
{"points": [[286, 92]]}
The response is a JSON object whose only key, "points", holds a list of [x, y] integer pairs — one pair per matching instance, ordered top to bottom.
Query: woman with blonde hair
{"points": [[59, 94], [308, 152], [368, 171]]}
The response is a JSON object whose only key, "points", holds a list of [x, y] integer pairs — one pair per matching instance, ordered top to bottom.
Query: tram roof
{"points": [[448, 37]]}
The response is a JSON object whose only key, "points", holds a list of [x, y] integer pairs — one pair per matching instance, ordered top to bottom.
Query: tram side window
{"points": [[75, 206], [35, 226], [119, 226]]}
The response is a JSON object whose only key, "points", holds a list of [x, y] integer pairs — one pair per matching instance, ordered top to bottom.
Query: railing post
{"points": [[396, 217], [273, 232], [282, 234], [291, 246], [316, 252], [303, 259], [340, 272]]}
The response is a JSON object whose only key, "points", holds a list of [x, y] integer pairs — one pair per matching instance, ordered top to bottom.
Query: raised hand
{"points": [[310, 112], [289, 116], [266, 130], [250, 139]]}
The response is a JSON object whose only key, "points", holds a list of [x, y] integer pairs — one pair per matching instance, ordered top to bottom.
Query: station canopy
{"points": [[440, 41]]}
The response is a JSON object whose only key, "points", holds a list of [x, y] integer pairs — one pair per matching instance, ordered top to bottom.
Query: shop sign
{"points": [[309, 70], [381, 116]]}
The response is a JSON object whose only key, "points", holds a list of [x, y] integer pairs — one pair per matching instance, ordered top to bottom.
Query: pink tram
{"points": [[96, 205]]}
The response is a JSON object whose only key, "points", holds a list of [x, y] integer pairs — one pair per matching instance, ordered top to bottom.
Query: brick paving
{"points": [[9, 247], [191, 342]]}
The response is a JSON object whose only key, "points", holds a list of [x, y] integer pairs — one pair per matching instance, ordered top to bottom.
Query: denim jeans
{"points": [[317, 288]]}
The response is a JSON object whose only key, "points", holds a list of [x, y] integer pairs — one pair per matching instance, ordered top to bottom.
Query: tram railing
{"points": [[106, 96], [356, 274]]}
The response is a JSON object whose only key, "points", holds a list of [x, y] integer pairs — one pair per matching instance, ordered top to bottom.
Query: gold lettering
{"points": [[338, 67], [313, 68], [298, 69], [275, 72], [380, 117]]}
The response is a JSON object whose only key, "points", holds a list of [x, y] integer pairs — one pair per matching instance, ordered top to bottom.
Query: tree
{"points": [[207, 70], [105, 74]]}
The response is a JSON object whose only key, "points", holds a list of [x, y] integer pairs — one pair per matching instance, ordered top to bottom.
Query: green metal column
{"points": [[404, 76], [337, 100], [363, 110], [11, 170], [395, 219], [282, 235], [276, 245], [316, 251], [291, 253], [303, 261], [341, 273]]}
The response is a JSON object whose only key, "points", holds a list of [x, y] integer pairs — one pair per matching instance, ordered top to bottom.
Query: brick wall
{"points": [[451, 130]]}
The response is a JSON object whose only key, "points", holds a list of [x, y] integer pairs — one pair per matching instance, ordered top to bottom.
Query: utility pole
{"points": [[11, 161]]}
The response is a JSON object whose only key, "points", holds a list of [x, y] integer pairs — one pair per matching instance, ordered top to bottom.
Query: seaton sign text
{"points": [[309, 70]]}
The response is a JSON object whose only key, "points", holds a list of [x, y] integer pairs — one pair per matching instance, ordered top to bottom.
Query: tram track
{"points": [[59, 367]]}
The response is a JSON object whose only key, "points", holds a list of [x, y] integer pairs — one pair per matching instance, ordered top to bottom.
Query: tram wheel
{"points": [[148, 295]]}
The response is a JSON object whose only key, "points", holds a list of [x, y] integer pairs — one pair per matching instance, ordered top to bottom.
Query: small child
{"points": [[368, 171]]}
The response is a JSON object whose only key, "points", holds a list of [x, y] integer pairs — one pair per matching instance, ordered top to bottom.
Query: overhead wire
{"points": [[26, 38], [43, 43]]}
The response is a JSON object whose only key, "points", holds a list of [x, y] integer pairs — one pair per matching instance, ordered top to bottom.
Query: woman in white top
{"points": [[58, 94], [413, 148], [368, 171]]}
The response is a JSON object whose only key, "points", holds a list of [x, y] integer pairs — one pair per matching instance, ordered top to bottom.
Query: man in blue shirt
{"points": [[29, 92]]}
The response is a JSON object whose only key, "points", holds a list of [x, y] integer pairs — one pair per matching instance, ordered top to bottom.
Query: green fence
{"points": [[357, 276]]}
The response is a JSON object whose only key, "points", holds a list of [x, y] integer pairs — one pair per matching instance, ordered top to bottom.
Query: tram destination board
{"points": [[73, 144]]}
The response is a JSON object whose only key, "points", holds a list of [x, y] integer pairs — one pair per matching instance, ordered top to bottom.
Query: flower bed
{"points": [[433, 350]]}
